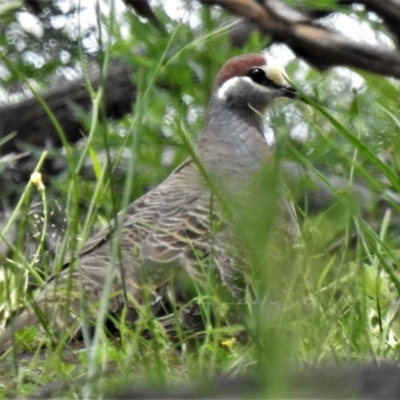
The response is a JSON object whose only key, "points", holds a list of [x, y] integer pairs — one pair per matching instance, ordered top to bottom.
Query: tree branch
{"points": [[320, 46], [32, 125]]}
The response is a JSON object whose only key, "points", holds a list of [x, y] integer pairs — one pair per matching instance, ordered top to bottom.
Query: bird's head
{"points": [[251, 81], [232, 137]]}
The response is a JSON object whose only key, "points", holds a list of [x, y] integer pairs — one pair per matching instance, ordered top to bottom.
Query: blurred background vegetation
{"points": [[129, 83]]}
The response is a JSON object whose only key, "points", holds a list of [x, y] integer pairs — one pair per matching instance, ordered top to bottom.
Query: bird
{"points": [[180, 227]]}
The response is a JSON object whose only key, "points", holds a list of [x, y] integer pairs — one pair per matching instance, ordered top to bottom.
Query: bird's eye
{"points": [[258, 75]]}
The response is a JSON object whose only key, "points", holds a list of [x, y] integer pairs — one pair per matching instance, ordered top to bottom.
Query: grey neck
{"points": [[233, 140]]}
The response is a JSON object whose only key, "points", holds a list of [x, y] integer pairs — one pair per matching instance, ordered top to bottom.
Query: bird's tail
{"points": [[26, 319], [52, 320]]}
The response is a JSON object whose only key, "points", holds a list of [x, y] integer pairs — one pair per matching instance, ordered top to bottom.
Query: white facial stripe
{"points": [[275, 72], [224, 89], [221, 94]]}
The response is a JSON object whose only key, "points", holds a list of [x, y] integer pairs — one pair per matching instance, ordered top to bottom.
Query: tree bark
{"points": [[33, 126]]}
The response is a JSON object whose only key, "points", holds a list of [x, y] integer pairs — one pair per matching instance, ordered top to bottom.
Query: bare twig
{"points": [[321, 46]]}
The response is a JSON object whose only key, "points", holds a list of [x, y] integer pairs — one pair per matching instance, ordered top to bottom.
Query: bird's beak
{"points": [[289, 92]]}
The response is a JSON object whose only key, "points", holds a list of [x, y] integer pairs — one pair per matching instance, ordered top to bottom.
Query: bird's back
{"points": [[164, 233]]}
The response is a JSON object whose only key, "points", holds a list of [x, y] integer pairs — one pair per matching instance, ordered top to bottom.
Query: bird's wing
{"points": [[137, 206], [171, 226], [164, 231]]}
